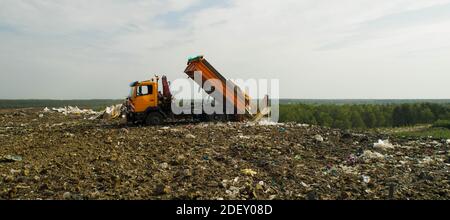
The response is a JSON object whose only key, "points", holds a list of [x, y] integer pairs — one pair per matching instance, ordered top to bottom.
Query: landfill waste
{"points": [[73, 110], [111, 112], [266, 122], [318, 138], [383, 145], [369, 155], [68, 157], [10, 158], [249, 172], [366, 179]]}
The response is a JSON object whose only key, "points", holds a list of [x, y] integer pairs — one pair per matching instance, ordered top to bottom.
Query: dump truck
{"points": [[151, 105]]}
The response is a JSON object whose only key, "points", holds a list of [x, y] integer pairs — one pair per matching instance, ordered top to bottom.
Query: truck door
{"points": [[145, 98]]}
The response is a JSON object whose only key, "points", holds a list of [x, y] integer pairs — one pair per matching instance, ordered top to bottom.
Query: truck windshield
{"points": [[131, 92]]}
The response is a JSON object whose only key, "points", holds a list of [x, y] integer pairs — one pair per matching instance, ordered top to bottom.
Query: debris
{"points": [[47, 110], [74, 110], [112, 112], [41, 115], [268, 123], [190, 136], [318, 138], [448, 141], [383, 145], [369, 155], [82, 157], [10, 158], [351, 159], [426, 161], [164, 165], [249, 172], [366, 179], [161, 189], [67, 196]]}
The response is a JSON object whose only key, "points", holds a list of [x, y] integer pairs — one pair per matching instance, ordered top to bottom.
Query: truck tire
{"points": [[154, 118]]}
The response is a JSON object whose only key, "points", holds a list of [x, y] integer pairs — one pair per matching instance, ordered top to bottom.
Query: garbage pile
{"points": [[72, 110], [110, 112], [60, 157]]}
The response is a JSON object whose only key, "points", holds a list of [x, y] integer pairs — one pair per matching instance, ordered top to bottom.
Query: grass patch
{"points": [[442, 124], [440, 133]]}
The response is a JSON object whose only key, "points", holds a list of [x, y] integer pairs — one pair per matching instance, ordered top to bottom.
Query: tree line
{"points": [[365, 116]]}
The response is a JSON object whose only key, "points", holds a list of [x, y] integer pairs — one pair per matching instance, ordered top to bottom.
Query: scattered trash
{"points": [[47, 110], [74, 110], [112, 112], [41, 115], [268, 123], [190, 136], [318, 138], [448, 141], [383, 145], [68, 155], [369, 155], [10, 158], [351, 159], [426, 161], [164, 165], [249, 172], [366, 179], [67, 196]]}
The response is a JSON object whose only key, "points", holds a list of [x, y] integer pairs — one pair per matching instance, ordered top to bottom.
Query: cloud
{"points": [[317, 48]]}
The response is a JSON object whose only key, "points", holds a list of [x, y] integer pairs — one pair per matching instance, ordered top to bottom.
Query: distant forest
{"points": [[94, 103], [365, 115]]}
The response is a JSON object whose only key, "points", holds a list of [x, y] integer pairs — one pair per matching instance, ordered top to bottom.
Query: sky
{"points": [[317, 49]]}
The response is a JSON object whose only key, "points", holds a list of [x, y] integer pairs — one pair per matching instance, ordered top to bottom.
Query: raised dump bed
{"points": [[232, 95]]}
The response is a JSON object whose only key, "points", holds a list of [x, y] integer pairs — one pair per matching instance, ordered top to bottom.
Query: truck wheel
{"points": [[154, 118]]}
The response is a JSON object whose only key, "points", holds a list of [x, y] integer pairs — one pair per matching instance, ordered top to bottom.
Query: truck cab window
{"points": [[144, 90]]}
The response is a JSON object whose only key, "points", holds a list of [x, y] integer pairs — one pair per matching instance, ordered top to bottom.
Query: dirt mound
{"points": [[47, 155]]}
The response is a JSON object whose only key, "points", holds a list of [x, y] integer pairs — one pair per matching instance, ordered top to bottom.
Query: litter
{"points": [[74, 110], [110, 112], [268, 123], [190, 136], [318, 138], [448, 141], [383, 145], [369, 155], [10, 158], [426, 160], [249, 172], [366, 179]]}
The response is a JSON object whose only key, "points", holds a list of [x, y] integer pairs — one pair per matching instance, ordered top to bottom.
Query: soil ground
{"points": [[53, 156]]}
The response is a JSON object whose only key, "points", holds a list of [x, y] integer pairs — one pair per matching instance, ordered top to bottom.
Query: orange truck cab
{"points": [[146, 103]]}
